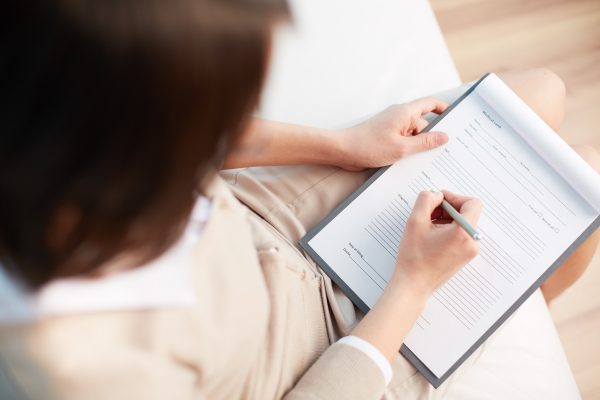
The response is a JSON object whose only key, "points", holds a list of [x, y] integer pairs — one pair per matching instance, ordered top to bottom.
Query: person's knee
{"points": [[550, 81], [543, 90], [550, 94], [589, 154]]}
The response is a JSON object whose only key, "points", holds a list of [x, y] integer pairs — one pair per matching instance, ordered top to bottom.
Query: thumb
{"points": [[425, 141]]}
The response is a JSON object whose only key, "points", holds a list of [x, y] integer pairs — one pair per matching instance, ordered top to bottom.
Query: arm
{"points": [[381, 140], [276, 143], [432, 249], [430, 252]]}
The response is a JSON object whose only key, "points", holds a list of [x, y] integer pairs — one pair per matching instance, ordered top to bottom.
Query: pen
{"points": [[460, 220]]}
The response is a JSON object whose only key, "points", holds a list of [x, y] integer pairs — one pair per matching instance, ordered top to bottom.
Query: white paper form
{"points": [[530, 216]]}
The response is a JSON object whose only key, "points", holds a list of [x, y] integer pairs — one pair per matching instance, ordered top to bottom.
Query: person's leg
{"points": [[544, 92], [294, 198], [578, 262]]}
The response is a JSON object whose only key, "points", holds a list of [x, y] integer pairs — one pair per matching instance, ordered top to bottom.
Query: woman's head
{"points": [[115, 115]]}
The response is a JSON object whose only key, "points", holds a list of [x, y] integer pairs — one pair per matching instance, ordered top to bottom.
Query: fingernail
{"points": [[443, 136]]}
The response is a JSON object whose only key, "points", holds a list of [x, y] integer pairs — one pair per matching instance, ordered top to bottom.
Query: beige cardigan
{"points": [[260, 329]]}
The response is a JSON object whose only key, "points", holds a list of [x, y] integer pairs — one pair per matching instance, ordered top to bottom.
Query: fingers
{"points": [[429, 104], [421, 124], [425, 141], [425, 205], [469, 207], [439, 214]]}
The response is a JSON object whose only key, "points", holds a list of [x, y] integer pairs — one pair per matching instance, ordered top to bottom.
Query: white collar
{"points": [[165, 282]]}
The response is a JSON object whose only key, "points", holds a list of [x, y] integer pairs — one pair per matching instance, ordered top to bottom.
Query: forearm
{"points": [[276, 143], [428, 255], [394, 314]]}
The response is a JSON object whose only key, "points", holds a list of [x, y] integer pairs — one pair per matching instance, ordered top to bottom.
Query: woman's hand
{"points": [[390, 135], [381, 140], [433, 246], [432, 249]]}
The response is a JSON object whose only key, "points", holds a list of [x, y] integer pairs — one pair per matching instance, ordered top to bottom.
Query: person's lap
{"points": [[523, 359]]}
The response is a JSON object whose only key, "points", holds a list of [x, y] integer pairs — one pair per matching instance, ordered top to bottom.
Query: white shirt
{"points": [[164, 282]]}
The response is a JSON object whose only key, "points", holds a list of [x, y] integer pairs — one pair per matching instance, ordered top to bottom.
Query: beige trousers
{"points": [[523, 359]]}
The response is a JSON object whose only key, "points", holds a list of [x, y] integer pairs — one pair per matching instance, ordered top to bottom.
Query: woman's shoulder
{"points": [[198, 309], [153, 339], [93, 356]]}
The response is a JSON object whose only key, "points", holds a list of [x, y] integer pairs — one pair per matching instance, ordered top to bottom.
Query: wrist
{"points": [[314, 145], [335, 148], [417, 289], [384, 326]]}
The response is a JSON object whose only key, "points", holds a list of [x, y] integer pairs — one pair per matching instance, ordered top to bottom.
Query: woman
{"points": [[148, 278]]}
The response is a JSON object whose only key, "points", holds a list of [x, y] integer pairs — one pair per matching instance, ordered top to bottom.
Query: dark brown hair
{"points": [[115, 113]]}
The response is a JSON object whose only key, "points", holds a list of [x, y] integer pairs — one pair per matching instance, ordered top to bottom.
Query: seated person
{"points": [[139, 273]]}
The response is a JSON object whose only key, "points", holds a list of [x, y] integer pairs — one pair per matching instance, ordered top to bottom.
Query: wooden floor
{"points": [[563, 35]]}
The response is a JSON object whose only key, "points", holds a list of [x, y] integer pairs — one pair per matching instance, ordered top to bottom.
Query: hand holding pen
{"points": [[438, 239]]}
